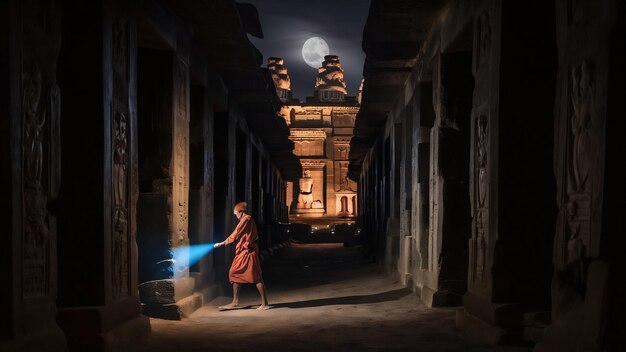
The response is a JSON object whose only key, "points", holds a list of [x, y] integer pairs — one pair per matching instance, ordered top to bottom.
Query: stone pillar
{"points": [[423, 119], [222, 149], [30, 177], [201, 180], [255, 185], [512, 190], [381, 192], [449, 225], [392, 230], [407, 240], [589, 267], [167, 290], [98, 304]]}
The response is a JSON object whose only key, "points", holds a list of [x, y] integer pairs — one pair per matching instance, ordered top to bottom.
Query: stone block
{"points": [[166, 291], [175, 311]]}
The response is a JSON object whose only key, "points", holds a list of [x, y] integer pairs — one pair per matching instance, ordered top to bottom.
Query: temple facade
{"points": [[321, 129]]}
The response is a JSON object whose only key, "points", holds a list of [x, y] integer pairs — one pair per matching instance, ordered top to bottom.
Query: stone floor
{"points": [[324, 297]]}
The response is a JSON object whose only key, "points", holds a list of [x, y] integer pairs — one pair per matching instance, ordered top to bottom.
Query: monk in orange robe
{"points": [[246, 266]]}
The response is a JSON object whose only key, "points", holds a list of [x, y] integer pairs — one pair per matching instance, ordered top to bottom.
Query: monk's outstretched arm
{"points": [[242, 227]]}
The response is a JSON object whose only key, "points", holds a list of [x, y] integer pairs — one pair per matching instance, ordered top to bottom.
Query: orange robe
{"points": [[246, 267]]}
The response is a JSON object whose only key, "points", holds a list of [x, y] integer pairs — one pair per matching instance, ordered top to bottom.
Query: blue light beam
{"points": [[191, 254]]}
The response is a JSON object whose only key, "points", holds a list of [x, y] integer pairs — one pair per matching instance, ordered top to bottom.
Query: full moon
{"points": [[314, 50]]}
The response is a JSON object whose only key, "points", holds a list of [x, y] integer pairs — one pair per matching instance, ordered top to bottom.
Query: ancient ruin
{"points": [[321, 129], [479, 167]]}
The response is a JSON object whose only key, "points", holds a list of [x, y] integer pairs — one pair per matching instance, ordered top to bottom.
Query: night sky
{"points": [[287, 24]]}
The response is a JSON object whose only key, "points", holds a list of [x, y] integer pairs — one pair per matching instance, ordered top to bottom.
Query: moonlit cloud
{"points": [[287, 24]]}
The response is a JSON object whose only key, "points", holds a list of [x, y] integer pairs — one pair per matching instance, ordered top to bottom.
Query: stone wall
{"points": [[108, 158], [30, 163], [506, 210]]}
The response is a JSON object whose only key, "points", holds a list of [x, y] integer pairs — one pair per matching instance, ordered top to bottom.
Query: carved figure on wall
{"points": [[582, 97], [34, 121], [343, 152], [481, 158], [120, 161], [344, 181], [305, 198], [120, 220], [481, 221], [36, 227], [574, 242]]}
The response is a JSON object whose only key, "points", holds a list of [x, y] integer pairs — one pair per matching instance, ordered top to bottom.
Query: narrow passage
{"points": [[324, 297]]}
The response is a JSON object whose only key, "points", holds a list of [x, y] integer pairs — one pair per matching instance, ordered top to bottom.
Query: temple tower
{"points": [[321, 129]]}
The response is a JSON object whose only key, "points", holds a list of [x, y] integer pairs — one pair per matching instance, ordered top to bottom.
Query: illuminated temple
{"points": [[321, 129]]}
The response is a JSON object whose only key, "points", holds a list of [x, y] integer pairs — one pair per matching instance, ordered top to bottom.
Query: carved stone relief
{"points": [[582, 100], [308, 114], [343, 119], [34, 121], [307, 134], [308, 142], [34, 144], [308, 147], [342, 151], [121, 160], [342, 182], [480, 194], [120, 202], [573, 245]]}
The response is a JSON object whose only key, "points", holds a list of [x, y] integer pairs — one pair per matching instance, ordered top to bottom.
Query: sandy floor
{"points": [[324, 297]]}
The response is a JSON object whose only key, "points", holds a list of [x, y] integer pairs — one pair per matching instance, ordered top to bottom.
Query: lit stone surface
{"points": [[330, 85], [322, 297]]}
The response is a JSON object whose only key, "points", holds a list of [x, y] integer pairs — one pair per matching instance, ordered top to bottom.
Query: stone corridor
{"points": [[480, 164], [324, 297]]}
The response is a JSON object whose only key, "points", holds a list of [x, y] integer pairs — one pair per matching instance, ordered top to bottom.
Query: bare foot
{"points": [[228, 306], [263, 307]]}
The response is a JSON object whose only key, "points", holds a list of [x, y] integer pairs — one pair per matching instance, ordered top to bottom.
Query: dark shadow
{"points": [[393, 295]]}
